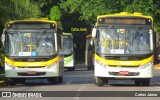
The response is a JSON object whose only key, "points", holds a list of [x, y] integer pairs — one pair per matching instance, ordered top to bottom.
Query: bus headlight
{"points": [[101, 64], [9, 65], [52, 65], [146, 65]]}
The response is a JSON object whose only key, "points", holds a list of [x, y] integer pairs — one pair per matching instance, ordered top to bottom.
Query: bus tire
{"points": [[89, 67], [92, 67], [60, 79], [54, 80], [99, 81], [106, 81], [11, 82], [137, 82], [145, 82]]}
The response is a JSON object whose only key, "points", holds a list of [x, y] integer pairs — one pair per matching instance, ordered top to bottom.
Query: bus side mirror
{"points": [[94, 32]]}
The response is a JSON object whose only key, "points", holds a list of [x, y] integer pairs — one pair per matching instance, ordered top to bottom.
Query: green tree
{"points": [[144, 6], [147, 7], [18, 9], [89, 9], [55, 13]]}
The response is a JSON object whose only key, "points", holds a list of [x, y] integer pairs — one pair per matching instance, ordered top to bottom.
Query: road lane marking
{"points": [[78, 94], [76, 98]]}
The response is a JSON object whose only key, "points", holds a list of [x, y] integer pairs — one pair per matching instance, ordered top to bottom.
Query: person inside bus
{"points": [[141, 39], [130, 40], [48, 41], [142, 42], [45, 46]]}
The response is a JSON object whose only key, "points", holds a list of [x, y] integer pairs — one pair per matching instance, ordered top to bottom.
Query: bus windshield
{"points": [[124, 41], [30, 44], [68, 45]]}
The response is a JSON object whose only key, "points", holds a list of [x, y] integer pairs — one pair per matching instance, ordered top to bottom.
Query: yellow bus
{"points": [[68, 45], [124, 48], [33, 49], [89, 59]]}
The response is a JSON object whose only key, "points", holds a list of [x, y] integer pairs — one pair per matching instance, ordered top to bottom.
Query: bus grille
{"points": [[124, 58], [31, 59], [31, 66], [123, 66], [37, 74], [129, 74]]}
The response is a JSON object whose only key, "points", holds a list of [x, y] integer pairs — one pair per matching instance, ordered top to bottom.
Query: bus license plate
{"points": [[31, 72], [123, 73]]}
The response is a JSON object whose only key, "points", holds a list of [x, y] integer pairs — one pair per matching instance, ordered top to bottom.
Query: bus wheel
{"points": [[89, 67], [92, 67], [71, 69], [60, 79], [53, 80], [99, 81], [106, 81], [11, 82], [138, 82], [145, 82]]}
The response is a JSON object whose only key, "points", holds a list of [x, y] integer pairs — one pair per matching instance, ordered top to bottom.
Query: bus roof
{"points": [[125, 14], [37, 20]]}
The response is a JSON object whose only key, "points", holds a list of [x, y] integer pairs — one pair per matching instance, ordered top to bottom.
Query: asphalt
{"points": [[3, 83]]}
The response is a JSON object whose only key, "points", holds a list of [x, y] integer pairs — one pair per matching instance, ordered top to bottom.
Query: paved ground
{"points": [[81, 81], [2, 83]]}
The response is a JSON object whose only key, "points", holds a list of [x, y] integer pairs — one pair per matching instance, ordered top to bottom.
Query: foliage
{"points": [[18, 9], [89, 9], [55, 13], [1, 55]]}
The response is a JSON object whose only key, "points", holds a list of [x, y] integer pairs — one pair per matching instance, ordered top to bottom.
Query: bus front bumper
{"points": [[32, 72], [123, 72]]}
